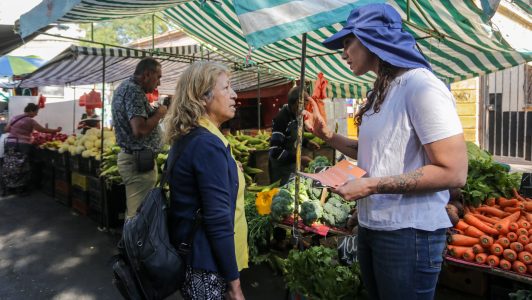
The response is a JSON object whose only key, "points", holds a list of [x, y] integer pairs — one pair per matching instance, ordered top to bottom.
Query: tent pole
{"points": [[92, 32], [152, 32], [258, 96], [300, 104], [74, 113], [105, 212]]}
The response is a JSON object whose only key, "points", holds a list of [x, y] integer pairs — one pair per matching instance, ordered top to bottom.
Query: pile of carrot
{"points": [[498, 233]]}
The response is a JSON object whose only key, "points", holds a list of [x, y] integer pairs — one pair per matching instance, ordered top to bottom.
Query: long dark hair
{"points": [[386, 74]]}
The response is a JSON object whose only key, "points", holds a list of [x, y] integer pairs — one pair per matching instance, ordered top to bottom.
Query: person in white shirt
{"points": [[410, 143]]}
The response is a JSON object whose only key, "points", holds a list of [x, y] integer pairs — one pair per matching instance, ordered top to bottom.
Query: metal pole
{"points": [[408, 10], [92, 32], [152, 32], [258, 96], [300, 105], [74, 113], [105, 212]]}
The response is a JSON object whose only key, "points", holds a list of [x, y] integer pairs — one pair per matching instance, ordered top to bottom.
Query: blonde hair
{"points": [[193, 88]]}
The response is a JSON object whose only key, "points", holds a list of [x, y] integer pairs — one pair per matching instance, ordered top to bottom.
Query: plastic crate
{"points": [[60, 160], [74, 162], [84, 165], [94, 169], [62, 174], [79, 181], [94, 184], [47, 185], [62, 191], [80, 201], [116, 205]]}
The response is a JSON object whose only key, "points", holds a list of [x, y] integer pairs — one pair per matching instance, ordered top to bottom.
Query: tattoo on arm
{"points": [[399, 184]]}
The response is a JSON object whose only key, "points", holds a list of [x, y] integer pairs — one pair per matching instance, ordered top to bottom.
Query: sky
{"points": [[9, 12]]}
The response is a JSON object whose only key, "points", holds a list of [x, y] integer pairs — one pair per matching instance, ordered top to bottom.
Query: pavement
{"points": [[49, 252]]}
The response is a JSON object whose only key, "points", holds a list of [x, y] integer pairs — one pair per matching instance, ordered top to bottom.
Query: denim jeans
{"points": [[400, 264]]}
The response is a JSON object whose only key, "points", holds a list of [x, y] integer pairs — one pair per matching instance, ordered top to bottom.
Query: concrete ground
{"points": [[49, 252]]}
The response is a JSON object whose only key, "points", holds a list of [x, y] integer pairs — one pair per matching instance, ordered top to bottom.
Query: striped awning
{"points": [[79, 11], [451, 34], [83, 66]]}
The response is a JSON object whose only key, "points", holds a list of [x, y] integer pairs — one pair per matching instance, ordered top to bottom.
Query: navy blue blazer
{"points": [[205, 176]]}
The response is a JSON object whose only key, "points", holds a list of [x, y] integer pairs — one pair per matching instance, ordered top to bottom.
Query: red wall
{"points": [[272, 99]]}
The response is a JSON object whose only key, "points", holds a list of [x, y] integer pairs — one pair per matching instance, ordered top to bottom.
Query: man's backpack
{"points": [[148, 266]]}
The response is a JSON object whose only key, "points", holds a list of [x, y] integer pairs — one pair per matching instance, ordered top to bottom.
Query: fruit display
{"points": [[48, 140], [88, 144], [109, 166]]}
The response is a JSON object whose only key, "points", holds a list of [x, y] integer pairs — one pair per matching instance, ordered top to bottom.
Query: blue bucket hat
{"points": [[379, 28]]}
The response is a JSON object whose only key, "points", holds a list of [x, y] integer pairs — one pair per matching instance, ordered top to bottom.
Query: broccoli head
{"points": [[319, 161], [282, 205], [310, 212], [336, 212]]}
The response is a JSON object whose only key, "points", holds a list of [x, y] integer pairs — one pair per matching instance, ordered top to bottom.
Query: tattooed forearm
{"points": [[399, 184]]}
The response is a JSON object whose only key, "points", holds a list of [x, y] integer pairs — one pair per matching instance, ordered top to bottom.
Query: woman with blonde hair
{"points": [[206, 178]]}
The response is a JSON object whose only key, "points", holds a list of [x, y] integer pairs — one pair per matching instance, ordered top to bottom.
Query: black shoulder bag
{"points": [[148, 266]]}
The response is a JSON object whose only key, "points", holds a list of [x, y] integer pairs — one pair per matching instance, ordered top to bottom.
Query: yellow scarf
{"points": [[241, 225]]}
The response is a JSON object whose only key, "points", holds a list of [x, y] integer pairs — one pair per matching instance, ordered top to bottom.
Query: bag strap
{"points": [[15, 121], [176, 150]]}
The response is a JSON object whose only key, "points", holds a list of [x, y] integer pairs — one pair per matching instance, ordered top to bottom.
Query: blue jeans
{"points": [[400, 264]]}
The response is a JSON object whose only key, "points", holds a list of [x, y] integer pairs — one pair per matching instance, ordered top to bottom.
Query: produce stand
{"points": [[523, 278]]}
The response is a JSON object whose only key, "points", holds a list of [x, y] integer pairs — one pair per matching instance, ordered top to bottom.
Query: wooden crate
{"points": [[79, 181], [470, 281]]}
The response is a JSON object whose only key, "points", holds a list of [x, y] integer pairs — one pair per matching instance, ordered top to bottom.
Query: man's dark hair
{"points": [[146, 64], [293, 96], [31, 107]]}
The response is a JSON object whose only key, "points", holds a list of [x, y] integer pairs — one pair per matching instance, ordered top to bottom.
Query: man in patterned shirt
{"points": [[137, 129]]}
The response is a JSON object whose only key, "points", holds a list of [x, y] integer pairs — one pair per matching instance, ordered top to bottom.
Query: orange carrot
{"points": [[516, 195], [490, 201], [503, 202], [528, 205], [512, 209], [491, 211], [528, 217], [486, 219], [472, 220], [524, 224], [461, 225], [502, 225], [513, 226], [473, 231], [522, 231], [512, 236], [523, 239], [461, 240], [486, 241], [504, 241], [516, 246], [528, 247], [477, 248], [496, 249], [457, 251], [509, 254], [469, 255], [525, 257], [481, 258], [493, 260], [505, 265], [519, 267]]}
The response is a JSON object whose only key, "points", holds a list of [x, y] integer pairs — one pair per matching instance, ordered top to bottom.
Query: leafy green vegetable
{"points": [[319, 161], [487, 178], [282, 205], [311, 211], [336, 212], [259, 229], [317, 274]]}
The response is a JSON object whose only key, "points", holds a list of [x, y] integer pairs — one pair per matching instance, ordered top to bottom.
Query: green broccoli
{"points": [[319, 161], [291, 187], [282, 205], [310, 212], [336, 212]]}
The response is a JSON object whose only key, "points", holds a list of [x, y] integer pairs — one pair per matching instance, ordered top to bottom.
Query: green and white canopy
{"points": [[451, 34]]}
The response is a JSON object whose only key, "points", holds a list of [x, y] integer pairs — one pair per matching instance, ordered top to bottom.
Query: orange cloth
{"points": [[319, 93]]}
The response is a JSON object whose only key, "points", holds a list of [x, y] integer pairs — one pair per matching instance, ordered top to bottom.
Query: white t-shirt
{"points": [[418, 109]]}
